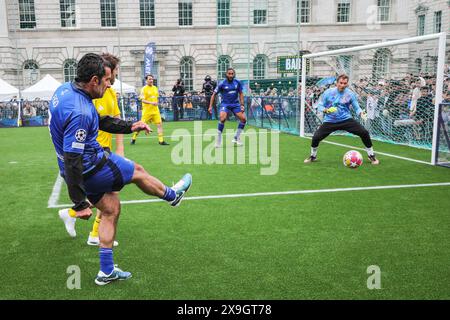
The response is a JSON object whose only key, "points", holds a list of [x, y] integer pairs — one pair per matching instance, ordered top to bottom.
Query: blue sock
{"points": [[220, 126], [169, 194], [106, 260]]}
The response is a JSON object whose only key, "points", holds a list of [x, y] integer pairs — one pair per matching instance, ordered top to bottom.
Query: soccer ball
{"points": [[353, 159]]}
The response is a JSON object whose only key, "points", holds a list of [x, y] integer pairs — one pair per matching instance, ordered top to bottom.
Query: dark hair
{"points": [[112, 59], [91, 65], [228, 69], [149, 75], [342, 76]]}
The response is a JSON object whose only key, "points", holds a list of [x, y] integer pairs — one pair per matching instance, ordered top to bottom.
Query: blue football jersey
{"points": [[229, 92], [343, 101], [73, 125]]}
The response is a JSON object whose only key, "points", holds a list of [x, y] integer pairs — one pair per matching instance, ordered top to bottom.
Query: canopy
{"points": [[126, 88], [44, 89], [7, 91]]}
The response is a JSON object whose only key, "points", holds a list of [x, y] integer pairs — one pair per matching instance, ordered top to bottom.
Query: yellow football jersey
{"points": [[150, 94], [106, 106]]}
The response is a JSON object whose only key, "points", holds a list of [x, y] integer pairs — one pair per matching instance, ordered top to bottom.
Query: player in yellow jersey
{"points": [[106, 106], [150, 111]]}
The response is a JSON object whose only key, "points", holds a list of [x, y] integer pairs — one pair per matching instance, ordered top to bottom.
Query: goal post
{"points": [[399, 84], [442, 147]]}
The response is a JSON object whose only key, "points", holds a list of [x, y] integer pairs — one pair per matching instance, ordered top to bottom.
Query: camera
{"points": [[208, 86]]}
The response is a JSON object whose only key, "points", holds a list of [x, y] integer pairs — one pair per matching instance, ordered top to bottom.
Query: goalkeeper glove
{"points": [[331, 110], [363, 115]]}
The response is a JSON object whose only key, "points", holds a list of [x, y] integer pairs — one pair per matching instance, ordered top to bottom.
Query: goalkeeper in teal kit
{"points": [[335, 103]]}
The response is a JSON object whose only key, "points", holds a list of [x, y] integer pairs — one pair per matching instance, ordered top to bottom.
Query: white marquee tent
{"points": [[126, 88], [43, 89], [7, 91]]}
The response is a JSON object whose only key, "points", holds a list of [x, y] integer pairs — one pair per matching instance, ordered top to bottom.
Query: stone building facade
{"points": [[48, 36]]}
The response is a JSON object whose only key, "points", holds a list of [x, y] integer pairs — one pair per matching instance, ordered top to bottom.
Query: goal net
{"points": [[398, 84]]}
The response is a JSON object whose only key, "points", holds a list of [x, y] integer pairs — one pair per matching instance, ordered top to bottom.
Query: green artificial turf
{"points": [[298, 246]]}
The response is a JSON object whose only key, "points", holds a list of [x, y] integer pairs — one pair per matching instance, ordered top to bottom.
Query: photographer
{"points": [[208, 89], [177, 100]]}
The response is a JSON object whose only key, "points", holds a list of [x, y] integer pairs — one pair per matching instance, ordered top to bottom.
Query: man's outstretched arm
{"points": [[116, 125]]}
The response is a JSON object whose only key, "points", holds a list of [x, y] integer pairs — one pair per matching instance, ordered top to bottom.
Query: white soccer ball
{"points": [[385, 112], [352, 159]]}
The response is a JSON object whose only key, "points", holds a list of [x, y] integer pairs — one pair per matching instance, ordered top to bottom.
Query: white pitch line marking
{"points": [[203, 135], [383, 153], [279, 193], [54, 197]]}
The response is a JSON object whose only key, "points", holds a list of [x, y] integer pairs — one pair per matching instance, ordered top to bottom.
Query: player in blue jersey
{"points": [[232, 96], [335, 103], [90, 171]]}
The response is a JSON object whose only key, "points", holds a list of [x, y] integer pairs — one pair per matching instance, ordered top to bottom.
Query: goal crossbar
{"points": [[441, 37]]}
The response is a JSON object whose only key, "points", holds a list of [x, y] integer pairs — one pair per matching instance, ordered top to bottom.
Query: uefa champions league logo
{"points": [[80, 135]]}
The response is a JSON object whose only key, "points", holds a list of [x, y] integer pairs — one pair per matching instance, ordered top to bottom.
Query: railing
{"points": [[280, 113]]}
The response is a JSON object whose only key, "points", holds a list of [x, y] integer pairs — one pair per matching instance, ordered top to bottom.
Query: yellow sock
{"points": [[135, 135], [160, 137], [72, 213], [94, 232]]}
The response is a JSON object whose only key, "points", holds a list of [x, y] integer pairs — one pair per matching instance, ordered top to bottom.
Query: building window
{"points": [[147, 10], [384, 10], [67, 11], [303, 11], [343, 11], [184, 12], [223, 12], [260, 12], [108, 13], [26, 14], [437, 22], [421, 25], [223, 63], [381, 63], [418, 66], [259, 67], [70, 70], [30, 72], [187, 73]]}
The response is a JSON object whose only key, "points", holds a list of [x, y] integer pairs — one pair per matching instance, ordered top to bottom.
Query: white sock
{"points": [[238, 134], [219, 137], [370, 151], [314, 152]]}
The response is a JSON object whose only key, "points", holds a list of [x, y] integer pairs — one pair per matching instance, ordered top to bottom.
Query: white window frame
{"points": [[349, 3], [382, 5], [301, 9], [226, 11], [67, 13], [147, 13], [185, 13], [27, 14], [110, 21], [435, 21], [421, 28], [260, 59], [187, 62], [223, 63], [70, 70], [381, 70], [30, 77]]}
